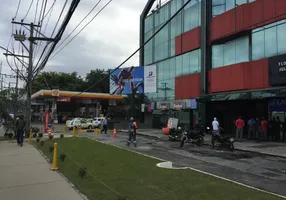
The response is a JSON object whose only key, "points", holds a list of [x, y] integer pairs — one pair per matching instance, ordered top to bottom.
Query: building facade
{"points": [[229, 55]]}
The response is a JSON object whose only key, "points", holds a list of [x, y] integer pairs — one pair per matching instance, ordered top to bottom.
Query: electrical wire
{"points": [[19, 3], [28, 10], [50, 10], [36, 12], [59, 18], [78, 24], [83, 28], [110, 72]]}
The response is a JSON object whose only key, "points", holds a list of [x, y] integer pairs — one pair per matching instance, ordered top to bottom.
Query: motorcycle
{"points": [[175, 134], [195, 136], [223, 142]]}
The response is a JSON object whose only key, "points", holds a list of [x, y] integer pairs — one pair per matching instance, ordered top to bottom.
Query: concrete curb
{"points": [[238, 149]]}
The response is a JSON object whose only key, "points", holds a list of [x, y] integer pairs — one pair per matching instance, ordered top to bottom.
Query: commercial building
{"points": [[227, 55]]}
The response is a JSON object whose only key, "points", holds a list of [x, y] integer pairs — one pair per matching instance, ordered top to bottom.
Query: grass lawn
{"points": [[137, 177]]}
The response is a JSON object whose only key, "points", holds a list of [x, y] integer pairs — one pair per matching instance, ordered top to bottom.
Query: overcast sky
{"points": [[105, 43]]}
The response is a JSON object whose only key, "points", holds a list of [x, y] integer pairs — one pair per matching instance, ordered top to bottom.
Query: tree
{"points": [[97, 75], [62, 81]]}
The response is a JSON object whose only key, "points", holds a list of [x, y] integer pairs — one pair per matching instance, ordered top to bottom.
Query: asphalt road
{"points": [[260, 171]]}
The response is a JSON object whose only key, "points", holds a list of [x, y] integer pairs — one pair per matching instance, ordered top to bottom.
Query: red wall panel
{"points": [[247, 17], [188, 41], [242, 76], [188, 86]]}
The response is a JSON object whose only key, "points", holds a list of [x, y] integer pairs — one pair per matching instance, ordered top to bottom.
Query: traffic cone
{"points": [[114, 133]]}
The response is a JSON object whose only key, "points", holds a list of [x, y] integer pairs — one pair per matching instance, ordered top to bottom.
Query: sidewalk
{"points": [[267, 148], [25, 174]]}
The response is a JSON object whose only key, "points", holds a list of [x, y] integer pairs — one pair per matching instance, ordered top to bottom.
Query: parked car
{"points": [[97, 122], [79, 123]]}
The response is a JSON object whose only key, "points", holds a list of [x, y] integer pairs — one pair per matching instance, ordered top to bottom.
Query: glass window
{"points": [[175, 6], [221, 6], [164, 13], [192, 17], [149, 23], [176, 26], [281, 38], [270, 41], [258, 45], [172, 47], [242, 50], [229, 53], [217, 56], [194, 61], [186, 63], [179, 65], [172, 67]]}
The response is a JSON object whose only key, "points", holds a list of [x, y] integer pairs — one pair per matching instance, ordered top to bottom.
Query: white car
{"points": [[79, 122], [96, 122]]}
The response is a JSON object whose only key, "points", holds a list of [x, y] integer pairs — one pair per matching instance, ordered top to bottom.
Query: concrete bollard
{"points": [[54, 165]]}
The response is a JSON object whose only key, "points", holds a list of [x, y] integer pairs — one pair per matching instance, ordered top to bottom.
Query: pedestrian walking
{"points": [[239, 123], [104, 125], [20, 127], [251, 128], [215, 131], [132, 132]]}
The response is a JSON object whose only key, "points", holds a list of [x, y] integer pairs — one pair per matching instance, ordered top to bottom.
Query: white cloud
{"points": [[105, 43]]}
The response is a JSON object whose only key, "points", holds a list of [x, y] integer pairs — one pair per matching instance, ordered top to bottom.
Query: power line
{"points": [[19, 3], [28, 10], [50, 10], [36, 11], [59, 17], [79, 24], [83, 28], [107, 76]]}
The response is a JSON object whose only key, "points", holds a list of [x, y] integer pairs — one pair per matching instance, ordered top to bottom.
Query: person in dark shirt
{"points": [[20, 127], [278, 129], [132, 132]]}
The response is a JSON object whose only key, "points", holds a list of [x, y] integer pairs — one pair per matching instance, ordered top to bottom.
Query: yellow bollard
{"points": [[65, 128], [74, 131], [96, 132], [30, 136], [54, 165]]}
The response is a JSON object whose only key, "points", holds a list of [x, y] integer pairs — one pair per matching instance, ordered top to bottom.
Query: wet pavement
{"points": [[257, 170]]}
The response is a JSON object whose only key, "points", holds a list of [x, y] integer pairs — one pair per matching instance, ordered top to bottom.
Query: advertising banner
{"points": [[277, 70], [150, 79], [127, 81], [277, 104], [46, 121]]}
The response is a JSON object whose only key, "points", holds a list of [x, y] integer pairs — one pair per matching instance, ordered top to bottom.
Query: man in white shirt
{"points": [[215, 132]]}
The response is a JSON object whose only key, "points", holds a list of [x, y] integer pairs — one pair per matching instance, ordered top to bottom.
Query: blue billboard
{"points": [[127, 81]]}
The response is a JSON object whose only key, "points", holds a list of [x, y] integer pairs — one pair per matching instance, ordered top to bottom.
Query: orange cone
{"points": [[114, 133]]}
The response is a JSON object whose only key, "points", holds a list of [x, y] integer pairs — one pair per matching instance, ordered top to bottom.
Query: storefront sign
{"points": [[277, 70], [55, 92], [64, 99], [193, 104], [277, 104], [179, 105], [163, 106]]}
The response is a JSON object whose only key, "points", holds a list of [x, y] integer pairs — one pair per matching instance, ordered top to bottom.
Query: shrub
{"points": [[35, 130], [5, 134], [10, 135], [34, 135], [40, 135], [62, 136], [51, 137], [38, 140], [42, 143], [51, 149], [62, 157], [82, 172]]}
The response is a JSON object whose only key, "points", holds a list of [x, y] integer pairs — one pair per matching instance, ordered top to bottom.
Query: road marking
{"points": [[197, 170]]}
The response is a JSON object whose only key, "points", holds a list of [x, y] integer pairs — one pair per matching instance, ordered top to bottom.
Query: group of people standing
{"points": [[261, 129]]}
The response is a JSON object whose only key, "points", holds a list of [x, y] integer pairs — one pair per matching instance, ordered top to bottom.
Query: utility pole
{"points": [[21, 37]]}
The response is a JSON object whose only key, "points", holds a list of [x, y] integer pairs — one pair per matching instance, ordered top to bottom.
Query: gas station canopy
{"points": [[73, 94]]}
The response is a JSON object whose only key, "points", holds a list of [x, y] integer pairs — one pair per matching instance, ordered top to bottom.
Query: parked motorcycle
{"points": [[175, 134], [195, 136], [223, 142]]}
